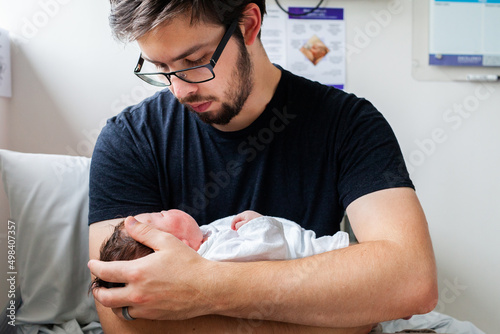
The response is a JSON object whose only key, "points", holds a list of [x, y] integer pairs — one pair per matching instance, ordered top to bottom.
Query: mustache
{"points": [[198, 98]]}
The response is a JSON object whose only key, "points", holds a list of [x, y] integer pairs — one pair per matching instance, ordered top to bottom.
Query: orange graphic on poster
{"points": [[314, 49]]}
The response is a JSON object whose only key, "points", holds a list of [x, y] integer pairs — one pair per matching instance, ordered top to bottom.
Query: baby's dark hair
{"points": [[119, 247]]}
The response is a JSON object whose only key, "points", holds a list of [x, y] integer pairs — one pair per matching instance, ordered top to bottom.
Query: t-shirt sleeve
{"points": [[370, 158], [123, 178]]}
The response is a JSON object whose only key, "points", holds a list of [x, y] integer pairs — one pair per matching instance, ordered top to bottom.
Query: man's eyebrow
{"points": [[190, 51], [186, 53]]}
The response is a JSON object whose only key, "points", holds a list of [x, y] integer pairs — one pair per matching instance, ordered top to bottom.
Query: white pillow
{"points": [[48, 200]]}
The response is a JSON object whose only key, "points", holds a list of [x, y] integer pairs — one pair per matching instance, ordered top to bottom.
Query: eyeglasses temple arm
{"points": [[223, 42], [140, 62]]}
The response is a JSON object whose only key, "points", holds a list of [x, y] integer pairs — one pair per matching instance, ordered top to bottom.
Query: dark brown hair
{"points": [[131, 19], [119, 247]]}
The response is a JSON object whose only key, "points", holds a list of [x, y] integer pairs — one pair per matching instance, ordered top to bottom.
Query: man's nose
{"points": [[181, 89]]}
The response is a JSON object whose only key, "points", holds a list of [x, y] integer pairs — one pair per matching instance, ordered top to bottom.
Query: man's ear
{"points": [[252, 21]]}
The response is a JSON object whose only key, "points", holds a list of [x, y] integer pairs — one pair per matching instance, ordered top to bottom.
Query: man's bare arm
{"points": [[390, 274], [113, 323], [211, 324]]}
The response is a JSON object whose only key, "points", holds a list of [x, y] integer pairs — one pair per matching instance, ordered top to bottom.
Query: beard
{"points": [[235, 97]]}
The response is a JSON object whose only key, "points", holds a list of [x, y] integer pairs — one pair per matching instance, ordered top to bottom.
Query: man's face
{"points": [[179, 45]]}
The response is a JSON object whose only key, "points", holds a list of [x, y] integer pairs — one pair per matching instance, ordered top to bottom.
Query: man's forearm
{"points": [[391, 274], [348, 287], [211, 324]]}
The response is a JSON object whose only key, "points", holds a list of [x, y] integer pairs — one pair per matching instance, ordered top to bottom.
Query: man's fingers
{"points": [[146, 234], [113, 271], [113, 297]]}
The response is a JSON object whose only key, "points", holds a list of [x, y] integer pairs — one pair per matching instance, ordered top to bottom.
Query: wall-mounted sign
{"points": [[464, 33], [309, 44]]}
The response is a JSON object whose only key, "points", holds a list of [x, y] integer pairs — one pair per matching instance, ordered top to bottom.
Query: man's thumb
{"points": [[146, 234]]}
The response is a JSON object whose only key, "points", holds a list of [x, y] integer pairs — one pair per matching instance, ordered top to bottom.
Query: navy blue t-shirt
{"points": [[313, 151]]}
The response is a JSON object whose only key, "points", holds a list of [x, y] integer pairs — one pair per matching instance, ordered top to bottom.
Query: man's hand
{"points": [[165, 285]]}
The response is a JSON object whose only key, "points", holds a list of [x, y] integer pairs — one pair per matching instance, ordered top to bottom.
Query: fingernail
{"points": [[131, 221]]}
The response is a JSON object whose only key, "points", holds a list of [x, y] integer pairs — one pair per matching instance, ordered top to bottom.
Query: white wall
{"points": [[69, 75], [456, 176]]}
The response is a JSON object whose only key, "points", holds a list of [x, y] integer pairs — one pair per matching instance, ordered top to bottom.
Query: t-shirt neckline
{"points": [[276, 102]]}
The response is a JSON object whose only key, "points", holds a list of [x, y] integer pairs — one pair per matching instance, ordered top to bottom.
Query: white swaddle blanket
{"points": [[265, 238]]}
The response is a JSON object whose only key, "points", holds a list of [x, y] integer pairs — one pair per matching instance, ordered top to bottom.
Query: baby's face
{"points": [[176, 222]]}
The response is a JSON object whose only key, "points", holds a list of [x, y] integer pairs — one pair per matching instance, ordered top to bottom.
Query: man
{"points": [[234, 133]]}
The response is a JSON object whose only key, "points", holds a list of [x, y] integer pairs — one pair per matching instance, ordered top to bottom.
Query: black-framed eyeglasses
{"points": [[196, 74]]}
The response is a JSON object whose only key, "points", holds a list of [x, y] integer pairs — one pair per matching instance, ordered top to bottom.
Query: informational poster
{"points": [[464, 33], [312, 45], [5, 75]]}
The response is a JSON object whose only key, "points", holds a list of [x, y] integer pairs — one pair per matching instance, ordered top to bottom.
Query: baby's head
{"points": [[175, 222], [119, 247], [122, 247]]}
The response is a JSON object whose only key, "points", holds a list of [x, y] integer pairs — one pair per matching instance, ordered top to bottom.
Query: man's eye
{"points": [[197, 62], [162, 68]]}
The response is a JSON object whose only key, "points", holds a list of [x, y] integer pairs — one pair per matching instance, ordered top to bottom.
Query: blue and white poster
{"points": [[464, 33]]}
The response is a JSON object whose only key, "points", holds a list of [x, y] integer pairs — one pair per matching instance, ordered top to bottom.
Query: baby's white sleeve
{"points": [[261, 239], [303, 243]]}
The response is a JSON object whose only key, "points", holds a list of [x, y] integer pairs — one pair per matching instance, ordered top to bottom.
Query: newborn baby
{"points": [[248, 236]]}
